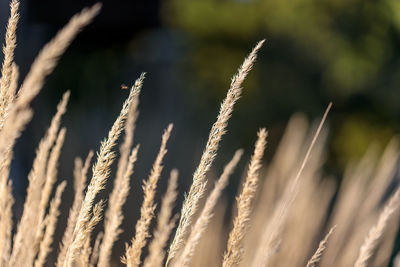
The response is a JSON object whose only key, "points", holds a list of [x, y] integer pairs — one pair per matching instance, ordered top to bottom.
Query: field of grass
{"points": [[288, 212]]}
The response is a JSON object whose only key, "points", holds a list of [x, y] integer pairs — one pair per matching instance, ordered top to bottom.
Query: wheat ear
{"points": [[7, 95], [217, 131], [101, 171], [80, 177], [114, 216], [50, 222], [165, 224], [201, 224], [271, 233], [375, 233], [134, 252], [234, 253], [316, 257]]}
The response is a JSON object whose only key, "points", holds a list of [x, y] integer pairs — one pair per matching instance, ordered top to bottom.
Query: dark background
{"points": [[344, 51]]}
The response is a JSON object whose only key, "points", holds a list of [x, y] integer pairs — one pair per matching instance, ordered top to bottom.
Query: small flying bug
{"points": [[124, 87]]}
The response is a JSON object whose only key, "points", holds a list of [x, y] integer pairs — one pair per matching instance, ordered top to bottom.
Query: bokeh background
{"points": [[344, 51]]}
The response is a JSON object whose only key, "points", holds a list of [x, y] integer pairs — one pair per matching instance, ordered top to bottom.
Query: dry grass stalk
{"points": [[48, 57], [12, 89], [6, 95], [19, 113], [130, 126], [218, 129], [385, 170], [101, 171], [51, 176], [80, 177], [6, 198], [114, 212], [33, 213], [114, 216], [202, 222], [290, 222], [50, 223], [6, 224], [165, 224], [375, 233], [270, 236], [96, 250], [384, 250], [134, 251], [234, 253], [84, 255], [316, 257], [396, 262]]}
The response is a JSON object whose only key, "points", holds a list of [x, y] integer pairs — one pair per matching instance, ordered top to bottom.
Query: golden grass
{"points": [[210, 152], [281, 212], [206, 214], [114, 216], [165, 224], [134, 251], [234, 252], [316, 257]]}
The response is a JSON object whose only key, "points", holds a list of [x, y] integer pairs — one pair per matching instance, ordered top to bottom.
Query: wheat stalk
{"points": [[217, 131], [202, 222], [134, 251], [234, 253]]}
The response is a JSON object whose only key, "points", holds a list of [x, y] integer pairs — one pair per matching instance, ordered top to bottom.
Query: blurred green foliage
{"points": [[345, 51]]}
